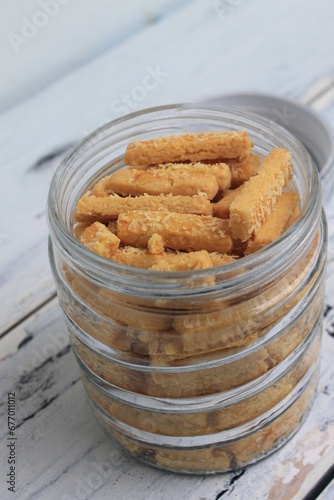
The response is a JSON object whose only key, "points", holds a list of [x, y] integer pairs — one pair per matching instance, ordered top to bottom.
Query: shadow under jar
{"points": [[193, 371]]}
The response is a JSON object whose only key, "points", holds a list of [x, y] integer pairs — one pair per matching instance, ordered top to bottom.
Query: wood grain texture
{"points": [[73, 32], [62, 452]]}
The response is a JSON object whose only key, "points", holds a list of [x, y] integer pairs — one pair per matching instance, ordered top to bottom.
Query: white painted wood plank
{"points": [[45, 39], [198, 54], [321, 86], [324, 101], [25, 275], [328, 493]]}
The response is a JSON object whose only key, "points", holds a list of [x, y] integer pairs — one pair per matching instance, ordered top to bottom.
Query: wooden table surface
{"points": [[204, 49]]}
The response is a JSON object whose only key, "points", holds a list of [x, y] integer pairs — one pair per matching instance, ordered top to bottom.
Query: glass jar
{"points": [[193, 371]]}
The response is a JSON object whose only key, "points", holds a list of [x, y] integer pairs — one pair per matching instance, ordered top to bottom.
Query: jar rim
{"points": [[255, 264]]}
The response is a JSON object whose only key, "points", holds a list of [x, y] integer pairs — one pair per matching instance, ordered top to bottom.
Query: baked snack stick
{"points": [[189, 147], [221, 171], [243, 171], [127, 181], [90, 207], [251, 207], [221, 209], [274, 224], [79, 227], [179, 231], [100, 240], [105, 243], [155, 244], [221, 258], [166, 261], [169, 261], [184, 262], [118, 322], [230, 323]]}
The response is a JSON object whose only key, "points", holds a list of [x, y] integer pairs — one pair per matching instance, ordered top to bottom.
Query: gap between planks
{"points": [[12, 338]]}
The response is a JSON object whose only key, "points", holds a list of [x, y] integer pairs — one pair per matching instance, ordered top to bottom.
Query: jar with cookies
{"points": [[188, 248]]}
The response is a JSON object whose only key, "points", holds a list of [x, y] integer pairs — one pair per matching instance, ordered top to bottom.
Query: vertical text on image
{"points": [[11, 443]]}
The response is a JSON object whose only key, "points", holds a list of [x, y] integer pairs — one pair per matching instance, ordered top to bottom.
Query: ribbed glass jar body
{"points": [[194, 371]]}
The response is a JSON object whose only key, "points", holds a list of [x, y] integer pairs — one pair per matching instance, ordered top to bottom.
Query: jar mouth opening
{"points": [[180, 118]]}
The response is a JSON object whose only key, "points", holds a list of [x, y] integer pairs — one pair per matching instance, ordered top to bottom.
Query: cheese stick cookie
{"points": [[189, 147], [221, 171], [243, 171], [138, 182], [90, 207], [250, 208], [221, 209], [274, 224], [79, 228], [179, 231], [100, 240], [155, 244], [220, 258], [197, 260], [167, 261], [191, 261]]}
